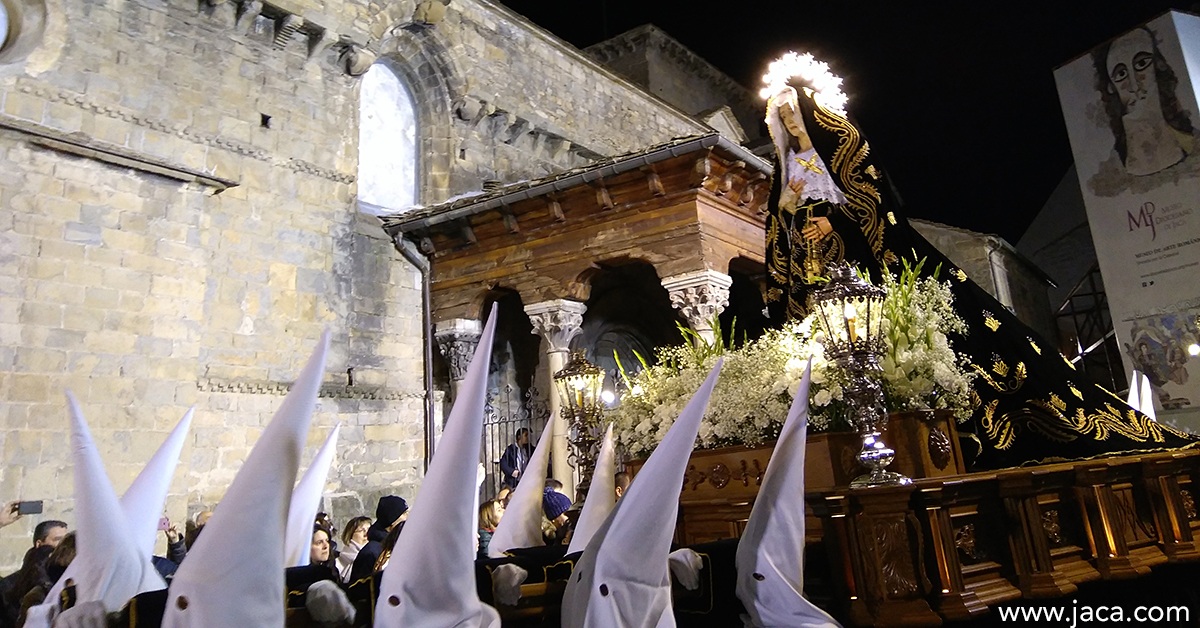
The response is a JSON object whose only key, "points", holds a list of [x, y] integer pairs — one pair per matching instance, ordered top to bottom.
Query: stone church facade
{"points": [[190, 193], [179, 220]]}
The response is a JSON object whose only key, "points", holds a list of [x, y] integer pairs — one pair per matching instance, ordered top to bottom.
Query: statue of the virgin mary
{"points": [[830, 202]]}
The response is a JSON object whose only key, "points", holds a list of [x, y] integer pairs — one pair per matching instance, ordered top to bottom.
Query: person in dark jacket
{"points": [[515, 458], [390, 511]]}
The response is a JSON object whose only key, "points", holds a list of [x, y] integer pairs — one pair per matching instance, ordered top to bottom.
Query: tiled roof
{"points": [[604, 167]]}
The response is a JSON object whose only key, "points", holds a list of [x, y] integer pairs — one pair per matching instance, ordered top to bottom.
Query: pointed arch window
{"points": [[387, 143]]}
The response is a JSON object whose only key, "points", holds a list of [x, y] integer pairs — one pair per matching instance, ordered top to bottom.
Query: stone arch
{"points": [[420, 58], [746, 301], [628, 310]]}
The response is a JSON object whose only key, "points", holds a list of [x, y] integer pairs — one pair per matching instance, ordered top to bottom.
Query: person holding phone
{"points": [[9, 513]]}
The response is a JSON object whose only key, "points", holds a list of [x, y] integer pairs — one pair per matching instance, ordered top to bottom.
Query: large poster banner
{"points": [[1132, 117]]}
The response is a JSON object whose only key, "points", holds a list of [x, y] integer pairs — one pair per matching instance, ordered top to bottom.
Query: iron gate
{"points": [[506, 412]]}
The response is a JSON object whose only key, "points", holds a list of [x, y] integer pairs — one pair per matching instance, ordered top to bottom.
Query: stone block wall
{"points": [[178, 224], [145, 294]]}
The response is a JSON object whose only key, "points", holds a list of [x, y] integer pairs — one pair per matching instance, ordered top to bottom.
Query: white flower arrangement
{"points": [[760, 378]]}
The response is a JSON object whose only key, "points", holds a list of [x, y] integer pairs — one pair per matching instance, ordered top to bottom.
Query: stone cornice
{"points": [[74, 99], [328, 391]]}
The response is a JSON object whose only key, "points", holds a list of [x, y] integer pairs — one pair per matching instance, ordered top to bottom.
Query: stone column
{"points": [[699, 296], [557, 322], [457, 339]]}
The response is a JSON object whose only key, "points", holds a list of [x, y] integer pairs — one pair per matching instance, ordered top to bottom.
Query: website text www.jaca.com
{"points": [[1076, 614]]}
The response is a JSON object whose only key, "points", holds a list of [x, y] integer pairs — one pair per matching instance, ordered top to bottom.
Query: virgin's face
{"points": [[1131, 69], [791, 119], [360, 534], [320, 546]]}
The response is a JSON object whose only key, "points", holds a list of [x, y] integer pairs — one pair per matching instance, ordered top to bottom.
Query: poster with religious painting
{"points": [[1131, 111]]}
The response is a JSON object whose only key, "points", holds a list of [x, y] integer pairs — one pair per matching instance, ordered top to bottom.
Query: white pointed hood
{"points": [[1135, 386], [1147, 406], [601, 496], [306, 501], [142, 504], [521, 525], [770, 555], [111, 565], [233, 575], [622, 579], [434, 585]]}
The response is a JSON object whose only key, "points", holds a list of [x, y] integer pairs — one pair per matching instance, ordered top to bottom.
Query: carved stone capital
{"points": [[357, 60], [699, 296], [557, 321], [457, 339]]}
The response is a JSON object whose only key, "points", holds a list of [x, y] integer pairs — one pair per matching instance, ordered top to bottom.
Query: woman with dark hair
{"points": [[388, 545], [321, 551], [31, 575]]}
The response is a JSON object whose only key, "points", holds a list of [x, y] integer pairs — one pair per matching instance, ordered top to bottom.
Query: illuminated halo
{"points": [[826, 85]]}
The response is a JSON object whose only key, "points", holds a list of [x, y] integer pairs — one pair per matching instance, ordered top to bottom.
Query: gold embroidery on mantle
{"points": [[863, 198], [959, 274], [990, 321], [1034, 345], [1006, 386], [1075, 391], [1057, 402], [1100, 425], [999, 431]]}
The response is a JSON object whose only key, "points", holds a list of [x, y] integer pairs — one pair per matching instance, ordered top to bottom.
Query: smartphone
{"points": [[29, 508], [164, 523]]}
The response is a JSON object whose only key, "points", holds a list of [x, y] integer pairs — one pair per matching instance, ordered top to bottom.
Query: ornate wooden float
{"points": [[953, 544]]}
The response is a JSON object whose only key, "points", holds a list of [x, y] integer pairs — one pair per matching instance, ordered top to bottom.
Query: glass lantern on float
{"points": [[851, 312], [580, 388]]}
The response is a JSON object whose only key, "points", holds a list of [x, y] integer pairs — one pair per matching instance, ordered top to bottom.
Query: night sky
{"points": [[958, 100]]}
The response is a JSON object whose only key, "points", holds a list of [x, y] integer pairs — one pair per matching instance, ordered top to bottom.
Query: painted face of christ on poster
{"points": [[1137, 85], [1131, 107]]}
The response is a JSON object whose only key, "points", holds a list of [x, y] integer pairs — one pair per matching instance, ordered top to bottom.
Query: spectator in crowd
{"points": [[516, 458], [621, 483], [556, 486], [504, 495], [555, 506], [390, 511], [9, 513], [489, 517], [324, 522], [195, 526], [50, 532], [354, 538], [388, 545], [322, 550], [176, 551], [56, 563], [32, 574]]}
